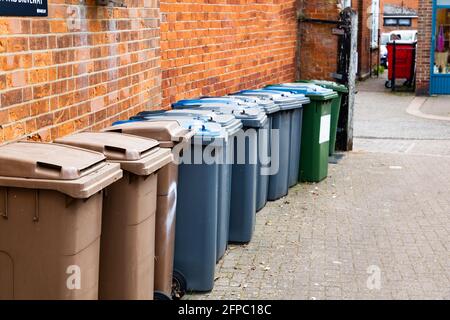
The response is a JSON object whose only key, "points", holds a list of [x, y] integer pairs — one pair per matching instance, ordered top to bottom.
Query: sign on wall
{"points": [[24, 8], [375, 22]]}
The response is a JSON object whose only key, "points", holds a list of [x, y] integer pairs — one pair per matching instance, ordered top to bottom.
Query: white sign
{"points": [[375, 22], [325, 123]]}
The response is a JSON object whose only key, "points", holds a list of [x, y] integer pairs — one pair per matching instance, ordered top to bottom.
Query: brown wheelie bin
{"points": [[170, 134], [50, 220], [127, 249]]}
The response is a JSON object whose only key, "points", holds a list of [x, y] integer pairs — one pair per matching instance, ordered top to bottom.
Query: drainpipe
{"points": [[299, 14], [360, 38]]}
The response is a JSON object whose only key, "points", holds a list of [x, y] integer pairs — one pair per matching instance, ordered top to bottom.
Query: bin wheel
{"points": [[388, 84], [179, 285], [161, 296]]}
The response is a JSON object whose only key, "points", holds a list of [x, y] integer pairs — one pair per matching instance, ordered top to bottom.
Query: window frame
{"points": [[397, 23], [405, 25]]}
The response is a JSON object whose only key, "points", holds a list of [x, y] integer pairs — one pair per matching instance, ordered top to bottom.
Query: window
{"points": [[346, 3], [390, 22], [400, 22], [404, 22], [385, 38], [442, 43]]}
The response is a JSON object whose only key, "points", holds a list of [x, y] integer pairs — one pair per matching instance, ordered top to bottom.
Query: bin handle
{"points": [[239, 111], [203, 127], [188, 136], [113, 149], [48, 166], [36, 205], [5, 212]]}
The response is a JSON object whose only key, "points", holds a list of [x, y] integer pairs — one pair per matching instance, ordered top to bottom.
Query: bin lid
{"points": [[410, 43], [327, 84], [311, 90], [262, 94], [300, 98], [284, 99], [213, 100], [232, 101], [196, 102], [264, 103], [250, 117], [222, 119], [186, 122], [228, 122], [207, 131], [167, 132], [138, 155], [73, 171]]}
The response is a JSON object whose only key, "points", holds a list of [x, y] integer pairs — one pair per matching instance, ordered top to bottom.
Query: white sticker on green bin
{"points": [[325, 122]]}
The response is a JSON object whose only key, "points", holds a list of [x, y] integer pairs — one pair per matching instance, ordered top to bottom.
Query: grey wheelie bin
{"points": [[296, 117], [316, 124], [232, 127], [169, 134], [264, 143], [281, 148], [245, 164], [263, 164], [197, 205], [50, 220], [127, 249]]}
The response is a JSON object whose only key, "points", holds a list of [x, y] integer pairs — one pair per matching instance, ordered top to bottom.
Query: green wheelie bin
{"points": [[341, 90], [315, 129]]}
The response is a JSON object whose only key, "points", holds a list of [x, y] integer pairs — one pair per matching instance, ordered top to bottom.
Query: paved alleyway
{"points": [[385, 209]]}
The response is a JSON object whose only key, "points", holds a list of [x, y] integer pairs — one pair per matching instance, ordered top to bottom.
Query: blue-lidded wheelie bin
{"points": [[271, 109], [296, 117], [232, 126], [316, 129], [264, 137], [281, 148], [245, 162], [197, 205]]}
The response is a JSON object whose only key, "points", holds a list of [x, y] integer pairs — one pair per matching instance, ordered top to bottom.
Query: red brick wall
{"points": [[413, 4], [424, 46], [213, 47], [318, 47], [367, 57], [63, 74]]}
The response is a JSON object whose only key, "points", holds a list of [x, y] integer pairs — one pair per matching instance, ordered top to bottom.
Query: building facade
{"points": [[398, 15], [318, 44], [218, 47], [433, 53], [86, 65], [81, 67]]}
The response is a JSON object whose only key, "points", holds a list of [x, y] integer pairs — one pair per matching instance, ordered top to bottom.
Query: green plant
{"points": [[378, 70]]}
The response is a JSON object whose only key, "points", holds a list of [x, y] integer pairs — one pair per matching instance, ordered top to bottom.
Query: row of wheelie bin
{"points": [[146, 208], [91, 215]]}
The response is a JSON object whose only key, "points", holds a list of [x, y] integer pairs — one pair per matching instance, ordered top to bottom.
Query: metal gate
{"points": [[347, 30]]}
